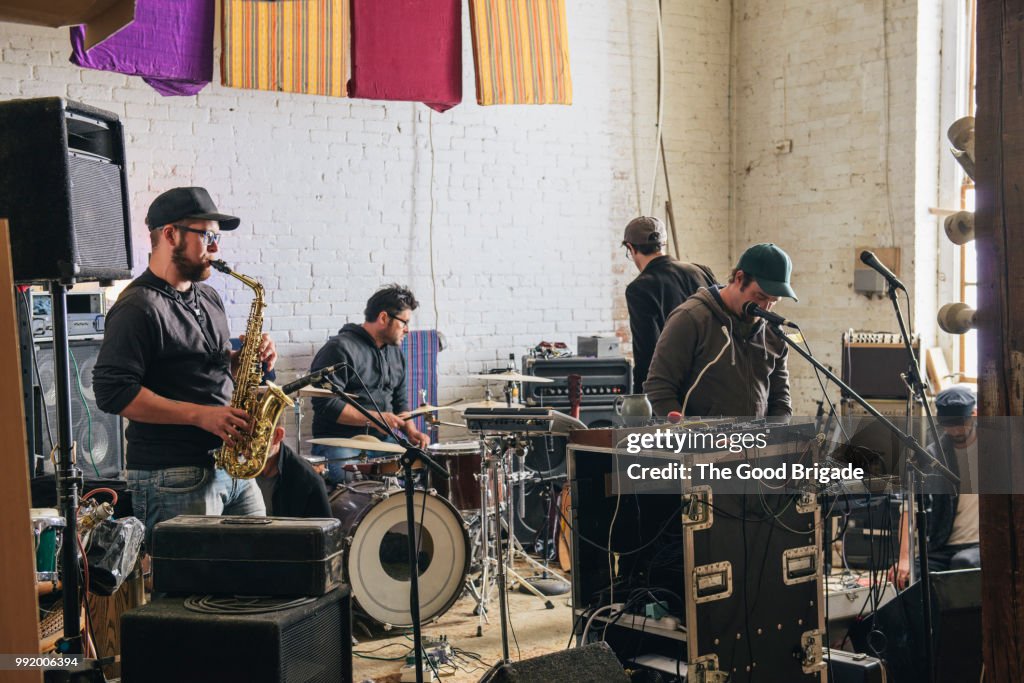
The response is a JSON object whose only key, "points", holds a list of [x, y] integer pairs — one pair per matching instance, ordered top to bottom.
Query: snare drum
{"points": [[462, 460], [48, 530], [376, 566]]}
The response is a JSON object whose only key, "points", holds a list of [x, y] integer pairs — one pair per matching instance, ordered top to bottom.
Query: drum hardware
{"points": [[304, 392], [426, 408], [411, 454], [498, 475]]}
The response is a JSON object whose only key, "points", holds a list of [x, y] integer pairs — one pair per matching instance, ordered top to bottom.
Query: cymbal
{"points": [[511, 376], [311, 392], [486, 404], [427, 408], [363, 442]]}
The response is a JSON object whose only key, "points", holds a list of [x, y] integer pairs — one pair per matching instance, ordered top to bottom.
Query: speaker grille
{"points": [[96, 211], [98, 434], [304, 663]]}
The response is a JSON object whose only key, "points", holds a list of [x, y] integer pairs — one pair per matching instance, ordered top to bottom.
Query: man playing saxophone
{"points": [[166, 365]]}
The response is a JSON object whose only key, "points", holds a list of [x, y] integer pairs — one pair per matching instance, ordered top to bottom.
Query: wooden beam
{"points": [[999, 225], [19, 626]]}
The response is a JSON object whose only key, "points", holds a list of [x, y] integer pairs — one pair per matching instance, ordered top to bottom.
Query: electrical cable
{"points": [[728, 343]]}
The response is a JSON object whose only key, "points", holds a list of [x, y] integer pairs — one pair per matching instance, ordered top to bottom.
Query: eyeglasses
{"points": [[208, 236], [405, 323]]}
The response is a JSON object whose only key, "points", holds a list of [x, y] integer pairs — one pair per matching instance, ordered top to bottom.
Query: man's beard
{"points": [[191, 271]]}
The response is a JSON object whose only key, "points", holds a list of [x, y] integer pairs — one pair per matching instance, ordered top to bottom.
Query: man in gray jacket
{"points": [[712, 359], [374, 371]]}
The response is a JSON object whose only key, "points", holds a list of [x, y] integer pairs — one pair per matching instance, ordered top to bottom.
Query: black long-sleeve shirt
{"points": [[664, 284], [154, 338], [382, 370], [300, 491]]}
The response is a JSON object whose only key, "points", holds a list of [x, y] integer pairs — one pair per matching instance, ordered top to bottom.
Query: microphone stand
{"points": [[917, 386], [412, 453], [917, 455]]}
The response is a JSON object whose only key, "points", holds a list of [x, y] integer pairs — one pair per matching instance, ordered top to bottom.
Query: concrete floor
{"points": [[539, 631]]}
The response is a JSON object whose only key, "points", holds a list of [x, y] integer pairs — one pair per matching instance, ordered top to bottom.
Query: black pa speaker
{"points": [[64, 192], [98, 434], [896, 632], [251, 640], [595, 662]]}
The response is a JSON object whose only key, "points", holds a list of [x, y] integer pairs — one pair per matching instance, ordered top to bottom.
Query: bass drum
{"points": [[372, 517]]}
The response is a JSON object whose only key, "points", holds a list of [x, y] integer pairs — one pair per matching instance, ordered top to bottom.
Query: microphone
{"points": [[870, 260], [755, 311], [316, 376]]}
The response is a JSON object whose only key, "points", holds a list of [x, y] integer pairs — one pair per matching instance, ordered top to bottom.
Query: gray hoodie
{"points": [[750, 379]]}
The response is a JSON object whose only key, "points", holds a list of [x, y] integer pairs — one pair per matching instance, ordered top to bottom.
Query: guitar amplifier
{"points": [[873, 362], [604, 379], [237, 555]]}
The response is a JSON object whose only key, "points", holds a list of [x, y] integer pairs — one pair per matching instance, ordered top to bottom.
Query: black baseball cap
{"points": [[187, 202], [955, 404]]}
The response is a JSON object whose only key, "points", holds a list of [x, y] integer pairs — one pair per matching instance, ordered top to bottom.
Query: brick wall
{"points": [[814, 73], [336, 194]]}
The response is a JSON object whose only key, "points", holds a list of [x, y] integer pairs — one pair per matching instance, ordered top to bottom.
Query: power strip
{"points": [[642, 623]]}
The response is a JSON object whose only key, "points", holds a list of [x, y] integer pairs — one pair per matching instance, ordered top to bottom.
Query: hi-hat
{"points": [[511, 376], [427, 408], [362, 442]]}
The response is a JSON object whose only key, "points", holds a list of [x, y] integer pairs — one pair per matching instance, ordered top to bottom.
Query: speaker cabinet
{"points": [[63, 188], [99, 435], [896, 632], [307, 641], [594, 662]]}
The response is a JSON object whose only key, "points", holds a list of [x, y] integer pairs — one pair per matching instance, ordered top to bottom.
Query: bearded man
{"points": [[166, 365]]}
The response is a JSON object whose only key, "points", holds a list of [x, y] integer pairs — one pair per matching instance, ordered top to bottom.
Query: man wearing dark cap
{"points": [[663, 284], [713, 359], [166, 365], [953, 528]]}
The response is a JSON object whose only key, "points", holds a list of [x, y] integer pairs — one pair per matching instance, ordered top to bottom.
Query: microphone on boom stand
{"points": [[754, 311]]}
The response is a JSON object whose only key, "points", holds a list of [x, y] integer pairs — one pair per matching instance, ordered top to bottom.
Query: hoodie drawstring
{"points": [[733, 346]]}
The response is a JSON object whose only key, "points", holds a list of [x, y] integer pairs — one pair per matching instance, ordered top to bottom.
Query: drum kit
{"points": [[465, 524]]}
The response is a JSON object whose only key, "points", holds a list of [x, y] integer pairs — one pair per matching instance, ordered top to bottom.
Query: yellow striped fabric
{"points": [[296, 46], [521, 51]]}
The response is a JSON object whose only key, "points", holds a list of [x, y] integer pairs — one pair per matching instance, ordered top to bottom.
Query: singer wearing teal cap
{"points": [[712, 358]]}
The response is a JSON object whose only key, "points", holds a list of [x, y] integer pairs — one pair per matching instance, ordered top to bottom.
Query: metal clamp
{"points": [[808, 502], [698, 513], [812, 645], [705, 670]]}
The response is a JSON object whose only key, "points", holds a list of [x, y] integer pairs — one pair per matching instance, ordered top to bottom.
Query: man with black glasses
{"points": [[167, 366], [374, 371]]}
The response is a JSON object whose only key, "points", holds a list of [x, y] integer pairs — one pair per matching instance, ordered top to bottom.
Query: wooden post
{"points": [[1000, 243], [19, 626]]}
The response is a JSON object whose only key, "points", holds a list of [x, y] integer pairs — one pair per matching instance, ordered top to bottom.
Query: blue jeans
{"points": [[159, 495]]}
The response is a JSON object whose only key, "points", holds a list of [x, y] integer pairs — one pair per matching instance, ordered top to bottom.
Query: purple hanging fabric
{"points": [[170, 45]]}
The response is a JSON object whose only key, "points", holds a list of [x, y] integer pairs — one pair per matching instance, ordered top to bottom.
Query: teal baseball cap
{"points": [[770, 268]]}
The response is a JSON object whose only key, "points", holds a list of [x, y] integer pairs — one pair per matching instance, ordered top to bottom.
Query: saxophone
{"points": [[246, 459]]}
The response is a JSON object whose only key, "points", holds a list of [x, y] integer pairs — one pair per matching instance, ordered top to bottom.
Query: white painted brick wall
{"points": [[812, 72], [529, 202]]}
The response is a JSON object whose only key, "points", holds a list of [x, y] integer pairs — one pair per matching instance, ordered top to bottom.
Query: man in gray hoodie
{"points": [[712, 359], [374, 371]]}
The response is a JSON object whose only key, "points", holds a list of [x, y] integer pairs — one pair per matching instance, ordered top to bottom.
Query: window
{"points": [[968, 271]]}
